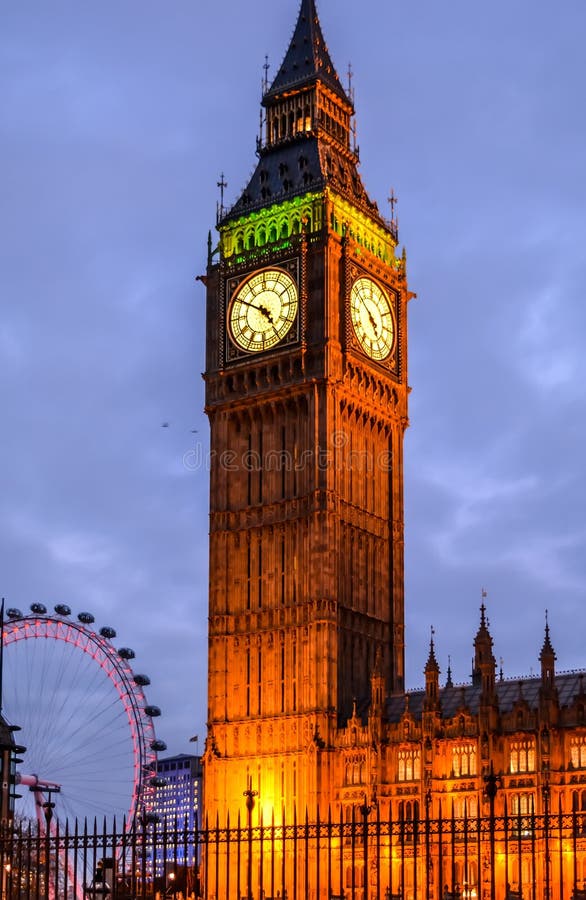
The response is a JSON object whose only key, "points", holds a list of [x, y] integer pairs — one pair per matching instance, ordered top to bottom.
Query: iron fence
{"points": [[359, 855]]}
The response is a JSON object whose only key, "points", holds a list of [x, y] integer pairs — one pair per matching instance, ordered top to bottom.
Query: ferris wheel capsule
{"points": [[39, 609], [62, 609], [14, 613], [86, 618], [107, 632], [126, 653], [142, 680], [152, 711], [159, 746], [157, 782]]}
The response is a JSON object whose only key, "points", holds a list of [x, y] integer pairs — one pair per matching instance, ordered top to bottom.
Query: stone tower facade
{"points": [[306, 393]]}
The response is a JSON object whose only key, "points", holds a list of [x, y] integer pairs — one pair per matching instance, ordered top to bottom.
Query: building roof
{"points": [[307, 59], [299, 167], [570, 686], [180, 756]]}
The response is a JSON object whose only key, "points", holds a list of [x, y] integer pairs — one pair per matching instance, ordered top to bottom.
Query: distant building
{"points": [[179, 800], [176, 804]]}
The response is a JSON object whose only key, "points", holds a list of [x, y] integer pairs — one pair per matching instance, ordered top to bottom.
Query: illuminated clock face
{"points": [[263, 310], [372, 318]]}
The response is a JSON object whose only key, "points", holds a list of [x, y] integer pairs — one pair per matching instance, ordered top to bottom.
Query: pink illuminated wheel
{"points": [[85, 721]]}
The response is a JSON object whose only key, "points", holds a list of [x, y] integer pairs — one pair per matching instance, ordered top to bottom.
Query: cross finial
{"points": [[266, 68], [351, 82], [222, 184], [393, 202], [483, 619]]}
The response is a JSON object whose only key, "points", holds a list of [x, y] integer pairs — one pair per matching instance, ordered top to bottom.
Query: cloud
{"points": [[548, 356], [475, 498], [91, 553], [547, 558]]}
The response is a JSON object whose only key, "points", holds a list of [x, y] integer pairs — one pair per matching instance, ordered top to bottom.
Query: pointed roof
{"points": [[308, 58], [483, 634], [547, 651], [432, 663], [449, 682]]}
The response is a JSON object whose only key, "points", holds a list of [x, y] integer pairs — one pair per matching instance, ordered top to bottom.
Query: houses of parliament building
{"points": [[309, 719]]}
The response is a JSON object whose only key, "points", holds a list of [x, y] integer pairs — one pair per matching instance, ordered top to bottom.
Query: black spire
{"points": [[308, 58], [547, 651], [547, 659], [432, 663], [432, 671], [449, 682]]}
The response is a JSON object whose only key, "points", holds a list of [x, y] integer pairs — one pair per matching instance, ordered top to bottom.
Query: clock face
{"points": [[263, 310], [372, 318]]}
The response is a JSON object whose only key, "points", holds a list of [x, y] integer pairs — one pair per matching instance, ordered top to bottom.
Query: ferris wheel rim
{"points": [[119, 672]]}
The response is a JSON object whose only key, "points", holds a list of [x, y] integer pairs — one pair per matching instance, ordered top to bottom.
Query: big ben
{"points": [[306, 393]]}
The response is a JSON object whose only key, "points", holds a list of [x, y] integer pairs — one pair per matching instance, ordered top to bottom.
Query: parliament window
{"points": [[578, 752], [522, 756], [464, 760], [409, 765], [355, 771], [522, 804], [466, 807], [522, 815], [408, 819]]}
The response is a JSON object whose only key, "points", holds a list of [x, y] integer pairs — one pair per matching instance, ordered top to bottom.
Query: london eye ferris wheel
{"points": [[86, 724]]}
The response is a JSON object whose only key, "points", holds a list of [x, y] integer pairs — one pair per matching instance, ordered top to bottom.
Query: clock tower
{"points": [[306, 393]]}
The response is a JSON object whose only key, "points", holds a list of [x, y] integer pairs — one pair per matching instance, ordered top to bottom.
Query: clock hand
{"points": [[247, 303], [260, 308], [267, 314], [370, 316]]}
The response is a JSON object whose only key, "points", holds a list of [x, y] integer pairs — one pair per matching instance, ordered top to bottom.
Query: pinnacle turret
{"points": [[547, 651], [547, 659], [432, 664], [484, 668], [432, 671]]}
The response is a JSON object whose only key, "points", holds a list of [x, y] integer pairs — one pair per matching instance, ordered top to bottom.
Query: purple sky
{"points": [[116, 119]]}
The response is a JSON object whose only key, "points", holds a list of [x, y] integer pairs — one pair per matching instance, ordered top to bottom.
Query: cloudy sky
{"points": [[116, 120]]}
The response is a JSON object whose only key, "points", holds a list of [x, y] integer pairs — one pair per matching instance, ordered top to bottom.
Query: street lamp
{"points": [[492, 782], [545, 791], [249, 795], [365, 810], [428, 862]]}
